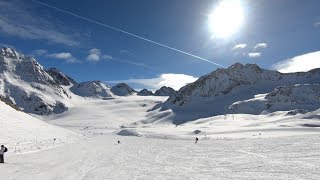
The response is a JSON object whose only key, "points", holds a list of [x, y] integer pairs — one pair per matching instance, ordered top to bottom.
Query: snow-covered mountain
{"points": [[60, 77], [25, 83], [95, 89], [122, 89], [165, 91], [145, 92], [212, 94], [300, 97]]}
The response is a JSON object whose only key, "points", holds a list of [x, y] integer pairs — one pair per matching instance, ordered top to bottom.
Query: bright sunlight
{"points": [[226, 18]]}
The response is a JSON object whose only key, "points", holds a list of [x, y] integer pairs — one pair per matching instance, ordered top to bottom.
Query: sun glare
{"points": [[226, 19]]}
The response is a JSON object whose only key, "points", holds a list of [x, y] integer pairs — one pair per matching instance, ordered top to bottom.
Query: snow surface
{"points": [[300, 98], [21, 132], [239, 146], [144, 158]]}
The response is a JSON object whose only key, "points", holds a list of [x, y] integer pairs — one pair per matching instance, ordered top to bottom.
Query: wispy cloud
{"points": [[17, 20], [316, 24], [261, 45], [239, 46], [40, 52], [95, 55], [254, 55], [64, 56], [107, 57], [134, 63], [300, 63], [176, 81]]}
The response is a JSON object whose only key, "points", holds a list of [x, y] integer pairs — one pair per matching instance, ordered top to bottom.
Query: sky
{"points": [[167, 42]]}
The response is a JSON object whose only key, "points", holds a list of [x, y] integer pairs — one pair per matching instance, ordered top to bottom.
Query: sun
{"points": [[226, 19]]}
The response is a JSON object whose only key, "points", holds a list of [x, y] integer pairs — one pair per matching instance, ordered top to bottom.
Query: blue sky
{"points": [[273, 31]]}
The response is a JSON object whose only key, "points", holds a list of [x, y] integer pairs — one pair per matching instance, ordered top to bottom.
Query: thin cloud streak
{"points": [[128, 33], [239, 46]]}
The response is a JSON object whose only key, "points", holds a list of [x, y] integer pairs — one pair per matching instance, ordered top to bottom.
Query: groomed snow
{"points": [[271, 146], [101, 157]]}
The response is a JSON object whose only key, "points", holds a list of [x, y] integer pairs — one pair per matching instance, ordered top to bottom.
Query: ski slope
{"points": [[22, 133], [242, 146], [295, 157]]}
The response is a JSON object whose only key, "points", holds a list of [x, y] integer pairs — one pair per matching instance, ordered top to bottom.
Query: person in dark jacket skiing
{"points": [[196, 140], [2, 151]]}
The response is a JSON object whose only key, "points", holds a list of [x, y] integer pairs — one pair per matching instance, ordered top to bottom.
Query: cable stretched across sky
{"points": [[128, 33]]}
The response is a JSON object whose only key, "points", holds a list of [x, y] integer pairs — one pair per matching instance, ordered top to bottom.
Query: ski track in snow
{"points": [[242, 147], [295, 157]]}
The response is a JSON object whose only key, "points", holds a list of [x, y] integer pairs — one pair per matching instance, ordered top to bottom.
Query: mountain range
{"points": [[27, 86]]}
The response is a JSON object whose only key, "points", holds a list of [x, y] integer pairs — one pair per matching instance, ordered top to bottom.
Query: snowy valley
{"points": [[251, 123]]}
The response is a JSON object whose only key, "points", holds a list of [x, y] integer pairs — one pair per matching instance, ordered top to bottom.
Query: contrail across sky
{"points": [[128, 33]]}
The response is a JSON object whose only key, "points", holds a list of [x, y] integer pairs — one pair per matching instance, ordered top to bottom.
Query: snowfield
{"points": [[22, 133], [239, 146], [101, 157]]}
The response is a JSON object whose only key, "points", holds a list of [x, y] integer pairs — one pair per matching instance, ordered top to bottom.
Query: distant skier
{"points": [[196, 140], [118, 142], [2, 151]]}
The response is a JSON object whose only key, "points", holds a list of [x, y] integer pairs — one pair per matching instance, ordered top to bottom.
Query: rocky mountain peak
{"points": [[60, 77], [122, 89], [165, 91], [145, 92]]}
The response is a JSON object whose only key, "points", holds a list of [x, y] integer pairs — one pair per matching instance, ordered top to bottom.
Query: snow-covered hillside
{"points": [[25, 82], [95, 89], [122, 89], [165, 91], [212, 94], [300, 97], [21, 132]]}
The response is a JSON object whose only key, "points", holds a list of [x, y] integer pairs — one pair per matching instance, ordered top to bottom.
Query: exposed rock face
{"points": [[60, 78], [25, 83], [95, 89], [122, 89], [165, 91], [145, 92]]}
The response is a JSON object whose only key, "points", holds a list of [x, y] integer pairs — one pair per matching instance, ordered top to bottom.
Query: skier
{"points": [[196, 140], [2, 151]]}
